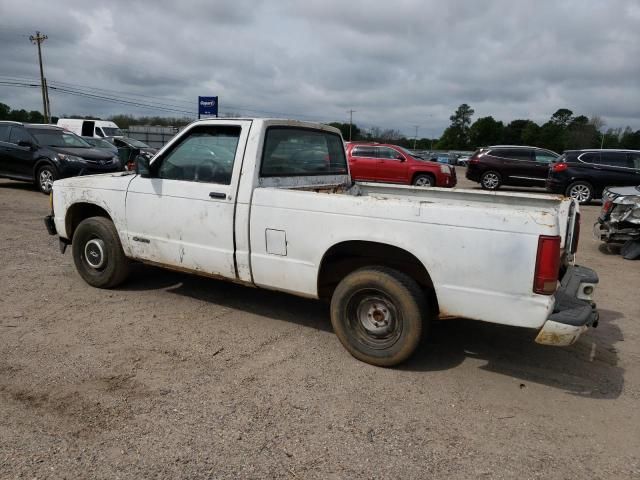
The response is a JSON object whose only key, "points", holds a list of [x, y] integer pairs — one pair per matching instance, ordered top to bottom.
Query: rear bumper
{"points": [[555, 186], [574, 310]]}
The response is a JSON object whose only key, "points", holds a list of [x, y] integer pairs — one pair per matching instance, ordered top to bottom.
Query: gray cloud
{"points": [[398, 64]]}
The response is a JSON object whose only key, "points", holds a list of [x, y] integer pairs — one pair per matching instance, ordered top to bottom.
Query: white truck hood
{"points": [[103, 181]]}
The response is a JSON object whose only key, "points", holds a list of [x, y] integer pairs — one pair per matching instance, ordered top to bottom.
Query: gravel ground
{"points": [[175, 376]]}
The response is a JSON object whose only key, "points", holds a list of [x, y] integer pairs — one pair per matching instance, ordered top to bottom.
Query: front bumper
{"points": [[50, 224], [574, 310]]}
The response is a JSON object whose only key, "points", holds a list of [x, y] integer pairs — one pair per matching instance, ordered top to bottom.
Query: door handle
{"points": [[217, 195]]}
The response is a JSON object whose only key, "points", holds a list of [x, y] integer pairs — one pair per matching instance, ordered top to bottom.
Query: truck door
{"points": [[182, 212]]}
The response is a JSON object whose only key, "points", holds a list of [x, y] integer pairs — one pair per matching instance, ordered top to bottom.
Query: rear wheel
{"points": [[45, 177], [490, 180], [424, 181], [580, 191], [98, 254], [377, 313]]}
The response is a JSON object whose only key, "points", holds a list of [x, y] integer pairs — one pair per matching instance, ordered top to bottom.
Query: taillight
{"points": [[474, 160], [559, 167], [576, 234], [545, 280]]}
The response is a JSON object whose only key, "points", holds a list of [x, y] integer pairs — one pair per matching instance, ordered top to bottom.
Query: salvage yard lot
{"points": [[173, 375]]}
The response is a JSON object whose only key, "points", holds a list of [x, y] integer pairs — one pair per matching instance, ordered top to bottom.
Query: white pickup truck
{"points": [[270, 203]]}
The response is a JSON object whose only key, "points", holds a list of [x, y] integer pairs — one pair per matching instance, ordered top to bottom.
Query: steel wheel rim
{"points": [[46, 180], [490, 180], [423, 182], [580, 193], [95, 254], [374, 319]]}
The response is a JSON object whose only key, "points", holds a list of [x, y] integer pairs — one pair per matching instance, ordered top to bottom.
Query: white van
{"points": [[91, 128]]}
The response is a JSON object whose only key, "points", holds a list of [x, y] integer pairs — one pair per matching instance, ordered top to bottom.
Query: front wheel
{"points": [[45, 177], [423, 181], [580, 191], [98, 254], [377, 313]]}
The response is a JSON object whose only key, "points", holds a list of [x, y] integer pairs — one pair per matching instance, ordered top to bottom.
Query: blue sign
{"points": [[207, 106]]}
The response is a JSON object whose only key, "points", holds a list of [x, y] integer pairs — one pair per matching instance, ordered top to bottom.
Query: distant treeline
{"points": [[562, 131]]}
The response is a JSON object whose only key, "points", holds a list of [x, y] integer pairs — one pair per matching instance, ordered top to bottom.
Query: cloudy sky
{"points": [[397, 64]]}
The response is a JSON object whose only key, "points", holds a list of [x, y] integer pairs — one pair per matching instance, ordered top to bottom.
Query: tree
{"points": [[5, 110], [562, 117], [344, 129], [485, 131], [513, 133], [581, 134], [456, 136], [630, 139]]}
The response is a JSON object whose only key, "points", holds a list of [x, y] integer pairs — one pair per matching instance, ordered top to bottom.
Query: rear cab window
{"points": [[297, 152]]}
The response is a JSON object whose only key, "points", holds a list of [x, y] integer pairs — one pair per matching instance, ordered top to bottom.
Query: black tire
{"points": [[45, 176], [424, 180], [490, 180], [581, 191], [97, 237], [378, 314]]}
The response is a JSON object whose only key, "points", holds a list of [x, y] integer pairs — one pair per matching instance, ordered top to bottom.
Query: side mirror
{"points": [[25, 143], [400, 157], [142, 166]]}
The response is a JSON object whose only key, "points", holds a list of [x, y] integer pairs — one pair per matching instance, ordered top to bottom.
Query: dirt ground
{"points": [[176, 376]]}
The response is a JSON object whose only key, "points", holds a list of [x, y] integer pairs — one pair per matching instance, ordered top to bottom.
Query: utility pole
{"points": [[38, 39], [351, 112], [415, 139]]}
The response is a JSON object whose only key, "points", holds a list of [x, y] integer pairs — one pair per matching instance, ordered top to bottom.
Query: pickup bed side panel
{"points": [[483, 273]]}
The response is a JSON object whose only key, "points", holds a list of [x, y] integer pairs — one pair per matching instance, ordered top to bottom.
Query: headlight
{"points": [[70, 158], [445, 169]]}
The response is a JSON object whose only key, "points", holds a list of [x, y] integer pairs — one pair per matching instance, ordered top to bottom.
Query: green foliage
{"points": [[486, 131], [356, 134], [456, 135]]}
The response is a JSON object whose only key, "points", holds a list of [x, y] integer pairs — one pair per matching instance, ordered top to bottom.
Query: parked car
{"points": [[90, 128], [101, 144], [129, 149], [44, 153], [462, 161], [381, 162], [514, 165], [584, 174], [277, 215], [619, 220]]}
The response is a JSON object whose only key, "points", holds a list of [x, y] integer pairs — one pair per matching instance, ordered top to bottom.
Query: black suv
{"points": [[44, 153], [510, 165], [584, 174]]}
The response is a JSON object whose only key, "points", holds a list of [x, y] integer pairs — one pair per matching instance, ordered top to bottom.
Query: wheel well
{"points": [[39, 163], [428, 174], [78, 212], [346, 257]]}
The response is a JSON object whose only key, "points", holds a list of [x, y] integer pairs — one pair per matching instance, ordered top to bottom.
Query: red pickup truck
{"points": [[380, 162]]}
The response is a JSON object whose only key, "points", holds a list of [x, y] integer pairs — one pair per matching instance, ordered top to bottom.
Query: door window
{"points": [[4, 133], [19, 134], [363, 152], [388, 153], [516, 154], [207, 155], [545, 157], [614, 159]]}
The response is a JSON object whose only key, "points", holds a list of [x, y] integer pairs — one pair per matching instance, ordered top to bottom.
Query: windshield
{"points": [[112, 132], [58, 138], [98, 142], [136, 143], [412, 155]]}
